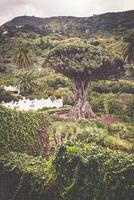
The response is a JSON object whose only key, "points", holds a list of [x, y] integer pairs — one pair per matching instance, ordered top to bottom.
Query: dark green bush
{"points": [[58, 82], [113, 86], [7, 96], [106, 103], [110, 104], [115, 107], [129, 108], [21, 131], [75, 173], [94, 173], [24, 177]]}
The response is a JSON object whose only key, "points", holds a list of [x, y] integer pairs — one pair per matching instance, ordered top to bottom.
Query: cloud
{"points": [[46, 8]]}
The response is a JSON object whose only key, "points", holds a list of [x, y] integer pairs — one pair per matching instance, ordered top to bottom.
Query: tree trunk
{"points": [[81, 108]]}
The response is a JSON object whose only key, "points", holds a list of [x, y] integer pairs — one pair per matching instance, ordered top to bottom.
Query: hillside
{"points": [[73, 26], [46, 33]]}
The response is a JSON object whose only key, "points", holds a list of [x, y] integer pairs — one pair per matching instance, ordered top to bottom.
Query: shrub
{"points": [[58, 82], [113, 86], [66, 94], [7, 96], [106, 103], [110, 104], [115, 107], [129, 108], [99, 124], [117, 127], [122, 130], [23, 131], [92, 134], [117, 144], [92, 172], [80, 173], [25, 177]]}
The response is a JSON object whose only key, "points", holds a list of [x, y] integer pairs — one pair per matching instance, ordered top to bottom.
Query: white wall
{"points": [[35, 104]]}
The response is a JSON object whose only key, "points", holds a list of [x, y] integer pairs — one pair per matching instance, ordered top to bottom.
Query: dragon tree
{"points": [[83, 63]]}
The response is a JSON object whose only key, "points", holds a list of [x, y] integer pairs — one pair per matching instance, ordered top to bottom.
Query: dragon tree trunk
{"points": [[81, 108]]}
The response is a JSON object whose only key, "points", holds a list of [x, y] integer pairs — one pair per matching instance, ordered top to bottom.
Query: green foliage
{"points": [[129, 50], [22, 54], [78, 58], [5, 69], [130, 71], [8, 79], [26, 82], [58, 82], [50, 84], [113, 87], [66, 95], [7, 96], [106, 104], [111, 104], [129, 109], [20, 131], [122, 131], [84, 132], [92, 134], [117, 143], [79, 170], [75, 172], [92, 172], [31, 177]]}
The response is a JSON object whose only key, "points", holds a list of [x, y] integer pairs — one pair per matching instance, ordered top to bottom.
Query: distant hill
{"points": [[75, 26], [45, 33]]}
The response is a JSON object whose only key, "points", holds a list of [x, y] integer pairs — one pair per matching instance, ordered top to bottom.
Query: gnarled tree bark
{"points": [[81, 108]]}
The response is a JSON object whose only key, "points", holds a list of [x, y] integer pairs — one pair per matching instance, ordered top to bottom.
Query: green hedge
{"points": [[113, 86], [22, 131], [75, 173], [95, 173], [24, 177]]}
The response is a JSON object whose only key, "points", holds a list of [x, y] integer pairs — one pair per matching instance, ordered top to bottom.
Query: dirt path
{"points": [[105, 119], [108, 120]]}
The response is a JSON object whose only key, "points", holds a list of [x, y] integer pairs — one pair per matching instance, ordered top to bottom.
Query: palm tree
{"points": [[129, 49], [22, 55], [26, 82]]}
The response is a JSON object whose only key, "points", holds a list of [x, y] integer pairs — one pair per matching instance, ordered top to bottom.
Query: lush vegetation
{"points": [[83, 63], [120, 86], [7, 96], [23, 131], [44, 154], [75, 172]]}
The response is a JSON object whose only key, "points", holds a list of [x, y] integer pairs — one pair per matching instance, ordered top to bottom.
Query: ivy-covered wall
{"points": [[23, 131], [87, 172]]}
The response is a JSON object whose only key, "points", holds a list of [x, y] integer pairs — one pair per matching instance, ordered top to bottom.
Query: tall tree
{"points": [[22, 55], [83, 63]]}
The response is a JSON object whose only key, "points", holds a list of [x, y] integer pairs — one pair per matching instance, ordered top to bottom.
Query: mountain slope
{"points": [[74, 26], [46, 33]]}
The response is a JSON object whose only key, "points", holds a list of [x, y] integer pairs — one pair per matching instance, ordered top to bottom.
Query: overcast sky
{"points": [[46, 8]]}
